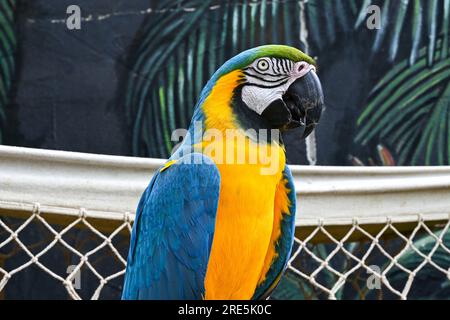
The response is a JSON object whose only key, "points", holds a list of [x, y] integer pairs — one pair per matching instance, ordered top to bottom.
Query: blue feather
{"points": [[173, 230]]}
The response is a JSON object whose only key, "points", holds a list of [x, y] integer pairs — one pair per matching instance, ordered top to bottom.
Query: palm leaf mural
{"points": [[428, 18], [180, 49], [7, 52], [409, 110], [428, 282], [294, 287]]}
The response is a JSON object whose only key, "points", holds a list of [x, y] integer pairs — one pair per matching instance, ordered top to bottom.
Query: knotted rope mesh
{"points": [[79, 257]]}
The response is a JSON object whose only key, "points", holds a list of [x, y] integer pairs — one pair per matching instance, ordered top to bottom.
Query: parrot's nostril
{"points": [[301, 67]]}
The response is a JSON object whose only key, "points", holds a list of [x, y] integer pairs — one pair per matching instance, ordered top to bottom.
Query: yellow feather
{"points": [[167, 165], [281, 207], [245, 222]]}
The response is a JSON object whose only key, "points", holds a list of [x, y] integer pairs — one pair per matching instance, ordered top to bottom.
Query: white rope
{"points": [[14, 236], [304, 251], [361, 262]]}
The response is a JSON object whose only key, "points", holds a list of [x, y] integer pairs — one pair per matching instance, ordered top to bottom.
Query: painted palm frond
{"points": [[326, 19], [428, 19], [187, 41], [7, 52], [409, 110], [429, 280], [293, 287]]}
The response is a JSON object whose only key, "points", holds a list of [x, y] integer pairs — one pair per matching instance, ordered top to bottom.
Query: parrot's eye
{"points": [[263, 65]]}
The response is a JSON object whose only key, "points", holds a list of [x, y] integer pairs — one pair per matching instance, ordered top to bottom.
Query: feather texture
{"points": [[173, 232], [283, 243]]}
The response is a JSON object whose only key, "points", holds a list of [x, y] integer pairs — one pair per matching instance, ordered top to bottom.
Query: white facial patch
{"points": [[268, 79], [258, 99]]}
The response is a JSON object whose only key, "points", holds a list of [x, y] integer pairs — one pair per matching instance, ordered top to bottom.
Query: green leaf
{"points": [[275, 8], [341, 13], [362, 13], [394, 14], [262, 19], [314, 22], [253, 23], [329, 23], [417, 25], [384, 26], [398, 26], [235, 27], [432, 27], [445, 29], [242, 32], [8, 47], [153, 57], [405, 96], [416, 107], [408, 109], [437, 123], [411, 260], [292, 287]]}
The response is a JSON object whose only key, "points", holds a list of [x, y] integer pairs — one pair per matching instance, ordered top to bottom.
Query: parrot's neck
{"points": [[222, 109], [216, 131]]}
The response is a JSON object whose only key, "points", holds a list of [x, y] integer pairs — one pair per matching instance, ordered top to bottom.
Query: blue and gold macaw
{"points": [[217, 220]]}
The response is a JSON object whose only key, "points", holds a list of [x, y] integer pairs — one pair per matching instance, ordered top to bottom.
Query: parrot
{"points": [[212, 229]]}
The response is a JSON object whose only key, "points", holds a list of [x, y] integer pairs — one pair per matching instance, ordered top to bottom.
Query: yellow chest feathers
{"points": [[250, 173], [243, 232]]}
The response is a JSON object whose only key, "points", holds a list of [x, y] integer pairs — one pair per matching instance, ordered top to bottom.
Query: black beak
{"points": [[305, 101], [301, 105]]}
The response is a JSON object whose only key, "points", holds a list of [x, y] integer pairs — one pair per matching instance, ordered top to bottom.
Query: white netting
{"points": [[57, 237], [404, 247], [390, 262]]}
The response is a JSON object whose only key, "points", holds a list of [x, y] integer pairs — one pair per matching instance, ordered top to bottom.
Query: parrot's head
{"points": [[271, 87]]}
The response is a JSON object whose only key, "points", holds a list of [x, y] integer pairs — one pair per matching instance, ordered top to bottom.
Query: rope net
{"points": [[81, 257]]}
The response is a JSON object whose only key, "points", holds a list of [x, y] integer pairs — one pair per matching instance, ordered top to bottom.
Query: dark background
{"points": [[69, 84]]}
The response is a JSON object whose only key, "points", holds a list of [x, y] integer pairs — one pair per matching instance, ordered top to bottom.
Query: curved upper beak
{"points": [[304, 100]]}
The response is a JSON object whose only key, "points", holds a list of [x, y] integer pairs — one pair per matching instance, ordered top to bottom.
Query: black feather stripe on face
{"points": [[275, 67], [255, 72], [276, 75], [261, 78], [267, 86]]}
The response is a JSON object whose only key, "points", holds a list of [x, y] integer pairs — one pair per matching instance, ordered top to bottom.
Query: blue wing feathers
{"points": [[138, 214], [173, 232]]}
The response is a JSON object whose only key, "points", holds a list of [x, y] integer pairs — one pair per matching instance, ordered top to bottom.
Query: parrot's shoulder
{"points": [[189, 171], [189, 177]]}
